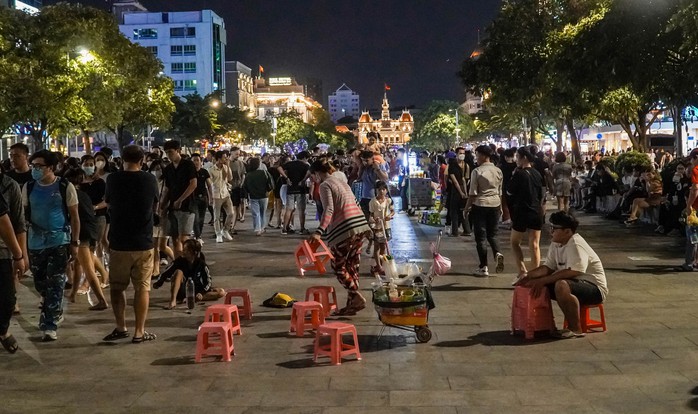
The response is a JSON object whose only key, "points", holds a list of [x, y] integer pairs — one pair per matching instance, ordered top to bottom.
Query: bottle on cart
{"points": [[392, 292], [191, 293]]}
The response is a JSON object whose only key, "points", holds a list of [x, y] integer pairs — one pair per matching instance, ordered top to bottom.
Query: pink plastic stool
{"points": [[312, 256], [322, 294], [246, 308], [224, 313], [530, 314], [299, 323], [588, 324], [222, 347], [336, 349]]}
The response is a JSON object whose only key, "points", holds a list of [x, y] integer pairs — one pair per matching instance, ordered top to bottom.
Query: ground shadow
{"points": [[267, 252], [645, 269], [454, 287], [261, 317], [184, 321], [182, 338], [497, 338], [183, 360]]}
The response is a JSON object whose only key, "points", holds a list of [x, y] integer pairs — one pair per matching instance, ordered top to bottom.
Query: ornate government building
{"points": [[392, 131]]}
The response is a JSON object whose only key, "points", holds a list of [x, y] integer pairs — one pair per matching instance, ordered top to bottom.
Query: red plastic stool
{"points": [[312, 256], [322, 294], [246, 308], [224, 313], [530, 314], [299, 323], [588, 324], [222, 347], [336, 349]]}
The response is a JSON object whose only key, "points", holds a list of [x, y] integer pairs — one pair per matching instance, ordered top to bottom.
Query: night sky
{"points": [[415, 46]]}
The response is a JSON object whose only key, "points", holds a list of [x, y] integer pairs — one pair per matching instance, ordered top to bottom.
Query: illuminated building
{"points": [[29, 6], [239, 90], [278, 95], [343, 102], [392, 131]]}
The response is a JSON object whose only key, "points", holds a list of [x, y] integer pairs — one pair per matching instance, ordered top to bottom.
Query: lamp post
{"points": [[457, 127]]}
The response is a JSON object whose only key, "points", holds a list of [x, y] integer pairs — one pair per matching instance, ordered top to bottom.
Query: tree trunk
{"points": [[532, 127], [560, 129], [678, 133], [120, 137], [574, 139], [86, 142]]}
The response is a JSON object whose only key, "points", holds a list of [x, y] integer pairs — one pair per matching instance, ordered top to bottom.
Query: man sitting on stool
{"points": [[572, 273]]}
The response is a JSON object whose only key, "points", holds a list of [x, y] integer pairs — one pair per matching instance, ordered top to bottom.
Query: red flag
{"points": [[261, 69], [387, 88]]}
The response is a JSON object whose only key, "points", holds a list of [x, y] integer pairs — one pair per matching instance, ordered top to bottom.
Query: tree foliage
{"points": [[435, 126]]}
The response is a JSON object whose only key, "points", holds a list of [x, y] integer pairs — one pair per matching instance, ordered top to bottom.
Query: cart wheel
{"points": [[423, 334]]}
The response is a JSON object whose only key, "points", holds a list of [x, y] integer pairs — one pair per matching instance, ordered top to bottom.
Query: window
{"points": [[183, 32], [145, 33], [153, 50], [175, 50], [189, 50], [178, 67], [189, 67], [190, 85]]}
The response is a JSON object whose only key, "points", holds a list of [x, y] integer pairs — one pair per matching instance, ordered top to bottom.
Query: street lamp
{"points": [[457, 127]]}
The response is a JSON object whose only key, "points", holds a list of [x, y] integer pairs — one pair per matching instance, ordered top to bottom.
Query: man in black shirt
{"points": [[19, 160], [296, 173], [132, 196], [178, 196], [203, 196]]}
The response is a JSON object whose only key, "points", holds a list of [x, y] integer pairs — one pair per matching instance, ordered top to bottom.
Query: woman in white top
{"points": [[220, 176]]}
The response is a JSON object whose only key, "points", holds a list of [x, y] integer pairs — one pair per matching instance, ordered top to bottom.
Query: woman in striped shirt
{"points": [[344, 226]]}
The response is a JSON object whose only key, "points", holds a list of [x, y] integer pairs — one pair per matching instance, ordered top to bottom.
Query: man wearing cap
{"points": [[691, 204]]}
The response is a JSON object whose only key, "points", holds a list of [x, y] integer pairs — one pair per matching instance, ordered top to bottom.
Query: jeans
{"points": [[200, 206], [258, 207], [455, 210], [485, 220], [690, 247], [48, 267], [8, 296]]}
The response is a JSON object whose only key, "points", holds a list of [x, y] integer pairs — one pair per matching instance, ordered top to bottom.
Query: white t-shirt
{"points": [[381, 210], [578, 255]]}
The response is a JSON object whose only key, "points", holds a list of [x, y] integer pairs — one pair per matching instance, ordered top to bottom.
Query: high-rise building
{"points": [[29, 6], [190, 45], [239, 89], [343, 102]]}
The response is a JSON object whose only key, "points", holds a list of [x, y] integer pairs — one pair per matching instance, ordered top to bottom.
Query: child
{"points": [[382, 211], [192, 264]]}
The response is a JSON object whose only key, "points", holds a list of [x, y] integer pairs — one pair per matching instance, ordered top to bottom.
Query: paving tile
{"points": [[508, 382], [426, 383], [330, 398], [454, 398]]}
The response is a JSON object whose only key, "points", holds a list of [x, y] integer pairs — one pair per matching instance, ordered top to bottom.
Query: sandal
{"points": [[116, 334], [146, 337], [10, 344]]}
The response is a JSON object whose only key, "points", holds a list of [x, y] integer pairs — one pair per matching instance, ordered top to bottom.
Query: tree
{"points": [[194, 118], [435, 126], [290, 128]]}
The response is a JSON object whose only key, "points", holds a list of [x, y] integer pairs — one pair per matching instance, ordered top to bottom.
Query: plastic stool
{"points": [[312, 256], [322, 294], [246, 308], [224, 313], [531, 314], [299, 323], [588, 324], [224, 345], [336, 349]]}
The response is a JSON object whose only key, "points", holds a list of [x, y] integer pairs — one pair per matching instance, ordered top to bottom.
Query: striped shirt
{"points": [[342, 217]]}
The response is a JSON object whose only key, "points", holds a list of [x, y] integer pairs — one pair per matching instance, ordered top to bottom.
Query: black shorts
{"points": [[236, 195], [528, 221], [586, 292]]}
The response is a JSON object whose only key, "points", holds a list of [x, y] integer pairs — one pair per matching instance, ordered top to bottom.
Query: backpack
{"points": [[62, 188]]}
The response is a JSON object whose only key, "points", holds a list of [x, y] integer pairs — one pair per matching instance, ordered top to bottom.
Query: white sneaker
{"points": [[226, 235], [219, 239], [201, 242], [163, 262], [500, 262], [481, 272], [60, 320], [49, 336]]}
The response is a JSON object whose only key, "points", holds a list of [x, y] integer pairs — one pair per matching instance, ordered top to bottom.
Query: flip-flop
{"points": [[116, 334], [146, 337], [10, 344]]}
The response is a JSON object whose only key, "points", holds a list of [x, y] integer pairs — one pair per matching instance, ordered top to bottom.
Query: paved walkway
{"points": [[647, 362]]}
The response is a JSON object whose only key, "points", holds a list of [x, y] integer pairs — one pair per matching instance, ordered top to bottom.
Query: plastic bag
{"points": [[692, 219], [441, 264], [390, 268]]}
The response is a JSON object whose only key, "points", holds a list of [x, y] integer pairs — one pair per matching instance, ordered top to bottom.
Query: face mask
{"points": [[461, 157], [100, 164], [89, 170], [37, 174]]}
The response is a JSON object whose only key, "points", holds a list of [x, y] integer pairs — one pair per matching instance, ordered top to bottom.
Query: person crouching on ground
{"points": [[382, 212], [344, 226], [192, 264], [572, 273]]}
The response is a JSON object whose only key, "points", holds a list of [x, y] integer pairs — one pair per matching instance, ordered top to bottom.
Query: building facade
{"points": [[29, 6], [190, 45], [239, 89], [278, 95], [343, 102], [392, 131]]}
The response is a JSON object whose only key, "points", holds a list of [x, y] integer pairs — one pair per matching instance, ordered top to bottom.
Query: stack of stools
{"points": [[312, 255], [325, 295], [245, 308], [530, 314], [299, 323], [588, 324], [215, 336], [336, 349]]}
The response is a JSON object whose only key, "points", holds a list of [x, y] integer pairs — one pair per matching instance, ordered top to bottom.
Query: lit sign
{"points": [[25, 7], [279, 81]]}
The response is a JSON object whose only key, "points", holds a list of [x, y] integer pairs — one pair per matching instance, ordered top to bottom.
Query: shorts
{"points": [[563, 188], [237, 194], [296, 201], [528, 221], [180, 223], [101, 226], [161, 230], [380, 237], [91, 243], [135, 267], [586, 292]]}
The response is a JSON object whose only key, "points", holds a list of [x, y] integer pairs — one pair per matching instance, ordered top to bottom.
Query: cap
{"points": [[694, 153], [450, 154]]}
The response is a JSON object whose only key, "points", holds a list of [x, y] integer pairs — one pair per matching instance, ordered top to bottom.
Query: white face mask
{"points": [[461, 157], [100, 164]]}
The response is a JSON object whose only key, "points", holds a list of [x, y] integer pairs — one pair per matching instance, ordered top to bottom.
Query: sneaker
{"points": [[659, 229], [284, 231], [226, 235], [219, 239], [201, 242], [163, 262], [500, 262], [481, 272], [60, 320], [49, 336]]}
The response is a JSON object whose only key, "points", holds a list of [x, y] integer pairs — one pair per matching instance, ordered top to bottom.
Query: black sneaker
{"points": [[284, 231]]}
